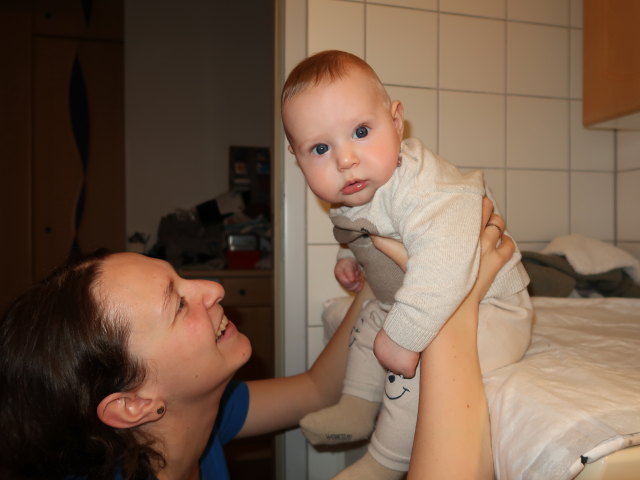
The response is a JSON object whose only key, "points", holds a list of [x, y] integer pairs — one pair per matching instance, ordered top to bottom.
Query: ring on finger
{"points": [[490, 224]]}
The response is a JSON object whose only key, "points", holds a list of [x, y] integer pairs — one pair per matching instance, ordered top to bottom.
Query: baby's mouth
{"points": [[354, 186], [221, 328]]}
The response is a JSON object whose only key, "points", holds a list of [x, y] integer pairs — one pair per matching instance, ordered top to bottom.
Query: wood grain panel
{"points": [[97, 19], [611, 59], [15, 150], [57, 168], [103, 221], [247, 291], [257, 324]]}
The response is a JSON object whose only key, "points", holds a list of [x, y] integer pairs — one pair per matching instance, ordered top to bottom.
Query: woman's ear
{"points": [[397, 114], [127, 409]]}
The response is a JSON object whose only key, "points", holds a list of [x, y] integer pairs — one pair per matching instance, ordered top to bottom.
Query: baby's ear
{"points": [[397, 114]]}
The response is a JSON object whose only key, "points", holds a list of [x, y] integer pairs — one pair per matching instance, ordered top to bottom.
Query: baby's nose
{"points": [[348, 159]]}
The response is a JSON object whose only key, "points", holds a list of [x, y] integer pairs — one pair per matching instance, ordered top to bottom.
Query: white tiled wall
{"points": [[491, 84], [627, 191]]}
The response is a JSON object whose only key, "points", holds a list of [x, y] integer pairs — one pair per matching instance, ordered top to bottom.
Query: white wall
{"points": [[198, 78], [492, 84], [628, 191]]}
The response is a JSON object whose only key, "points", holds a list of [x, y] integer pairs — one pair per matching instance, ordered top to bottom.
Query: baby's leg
{"points": [[504, 330], [504, 333], [353, 417], [392, 441], [389, 451]]}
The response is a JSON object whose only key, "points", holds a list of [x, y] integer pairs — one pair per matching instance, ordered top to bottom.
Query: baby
{"points": [[347, 137]]}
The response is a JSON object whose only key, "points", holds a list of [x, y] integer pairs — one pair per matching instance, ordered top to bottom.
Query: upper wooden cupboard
{"points": [[612, 64]]}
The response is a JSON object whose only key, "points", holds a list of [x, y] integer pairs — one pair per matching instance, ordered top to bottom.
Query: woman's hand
{"points": [[393, 249], [495, 250]]}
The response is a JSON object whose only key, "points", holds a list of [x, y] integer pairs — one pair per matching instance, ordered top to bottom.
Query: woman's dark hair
{"points": [[61, 352]]}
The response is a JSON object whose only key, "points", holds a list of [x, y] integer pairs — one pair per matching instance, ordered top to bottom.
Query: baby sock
{"points": [[349, 420], [367, 468]]}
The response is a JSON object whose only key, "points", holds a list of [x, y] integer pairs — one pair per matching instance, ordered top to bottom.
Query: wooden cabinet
{"points": [[97, 19], [611, 64], [61, 135], [15, 150], [77, 157], [248, 303]]}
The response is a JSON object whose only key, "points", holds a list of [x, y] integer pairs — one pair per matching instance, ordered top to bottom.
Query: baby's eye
{"points": [[361, 132], [320, 149]]}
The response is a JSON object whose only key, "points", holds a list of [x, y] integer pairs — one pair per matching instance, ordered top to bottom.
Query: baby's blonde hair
{"points": [[326, 66]]}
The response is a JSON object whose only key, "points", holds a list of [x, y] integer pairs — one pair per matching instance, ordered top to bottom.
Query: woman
{"points": [[116, 366]]}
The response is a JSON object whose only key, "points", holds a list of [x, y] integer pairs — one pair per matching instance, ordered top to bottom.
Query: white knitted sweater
{"points": [[435, 210]]}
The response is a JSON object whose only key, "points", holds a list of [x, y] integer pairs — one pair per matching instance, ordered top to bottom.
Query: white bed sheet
{"points": [[575, 396]]}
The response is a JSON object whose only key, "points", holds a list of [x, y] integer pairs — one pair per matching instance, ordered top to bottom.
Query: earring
{"points": [[160, 411]]}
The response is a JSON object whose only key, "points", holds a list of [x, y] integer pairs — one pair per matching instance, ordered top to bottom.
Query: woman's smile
{"points": [[225, 328]]}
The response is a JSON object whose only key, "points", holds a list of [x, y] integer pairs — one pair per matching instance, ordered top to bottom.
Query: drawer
{"points": [[247, 291], [257, 324]]}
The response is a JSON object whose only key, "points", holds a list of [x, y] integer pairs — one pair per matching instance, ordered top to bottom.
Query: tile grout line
{"points": [[569, 136], [505, 162]]}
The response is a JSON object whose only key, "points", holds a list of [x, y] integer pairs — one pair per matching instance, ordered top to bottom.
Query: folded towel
{"points": [[588, 255], [553, 276]]}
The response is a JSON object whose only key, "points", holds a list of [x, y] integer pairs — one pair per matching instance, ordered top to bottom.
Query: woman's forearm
{"points": [[327, 372], [279, 403], [453, 437]]}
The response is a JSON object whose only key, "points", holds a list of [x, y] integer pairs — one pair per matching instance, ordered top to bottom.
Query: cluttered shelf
{"points": [[230, 231]]}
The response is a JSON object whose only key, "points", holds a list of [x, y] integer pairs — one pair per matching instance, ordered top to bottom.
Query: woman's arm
{"points": [[280, 403], [452, 437]]}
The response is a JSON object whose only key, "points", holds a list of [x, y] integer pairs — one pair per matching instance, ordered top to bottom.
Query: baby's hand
{"points": [[348, 274], [394, 357]]}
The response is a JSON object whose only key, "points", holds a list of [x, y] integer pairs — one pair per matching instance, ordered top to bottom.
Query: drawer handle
{"points": [[242, 292]]}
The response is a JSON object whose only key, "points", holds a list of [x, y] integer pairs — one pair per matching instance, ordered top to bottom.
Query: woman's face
{"points": [[177, 327]]}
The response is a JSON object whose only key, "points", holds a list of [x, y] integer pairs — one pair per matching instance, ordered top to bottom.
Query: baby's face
{"points": [[345, 137]]}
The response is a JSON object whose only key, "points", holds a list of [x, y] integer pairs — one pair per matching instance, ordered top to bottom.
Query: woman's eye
{"points": [[361, 132], [320, 149], [181, 304]]}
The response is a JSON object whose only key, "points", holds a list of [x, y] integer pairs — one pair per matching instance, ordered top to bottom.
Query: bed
{"points": [[574, 399], [571, 407]]}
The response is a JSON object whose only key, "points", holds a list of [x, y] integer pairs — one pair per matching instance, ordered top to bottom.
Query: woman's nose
{"points": [[212, 293]]}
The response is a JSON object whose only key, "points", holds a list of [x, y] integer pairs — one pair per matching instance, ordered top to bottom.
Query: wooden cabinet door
{"points": [[97, 19], [611, 61], [15, 150], [78, 150], [61, 165], [257, 324]]}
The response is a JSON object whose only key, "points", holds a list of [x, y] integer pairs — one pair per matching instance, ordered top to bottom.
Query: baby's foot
{"points": [[349, 420]]}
